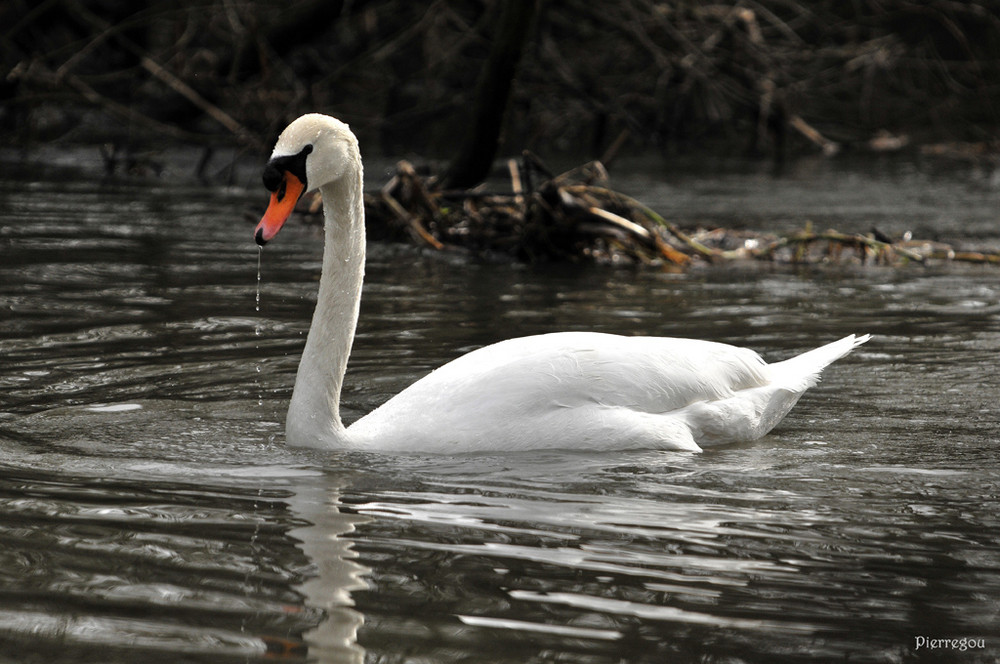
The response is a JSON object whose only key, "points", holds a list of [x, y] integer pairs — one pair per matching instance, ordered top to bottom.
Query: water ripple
{"points": [[150, 511]]}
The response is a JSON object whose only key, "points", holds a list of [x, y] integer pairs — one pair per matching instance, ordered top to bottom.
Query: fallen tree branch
{"points": [[807, 236]]}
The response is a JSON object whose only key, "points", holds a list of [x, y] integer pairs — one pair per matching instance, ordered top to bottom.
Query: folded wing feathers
{"points": [[526, 377]]}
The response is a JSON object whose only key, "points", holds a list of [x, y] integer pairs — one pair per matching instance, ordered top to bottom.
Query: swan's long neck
{"points": [[314, 412]]}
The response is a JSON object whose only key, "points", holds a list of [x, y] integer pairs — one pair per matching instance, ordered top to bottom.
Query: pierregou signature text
{"points": [[963, 644]]}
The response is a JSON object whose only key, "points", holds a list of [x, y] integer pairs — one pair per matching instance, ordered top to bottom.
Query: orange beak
{"points": [[282, 203]]}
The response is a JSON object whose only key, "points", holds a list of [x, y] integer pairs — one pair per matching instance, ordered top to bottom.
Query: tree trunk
{"points": [[479, 146]]}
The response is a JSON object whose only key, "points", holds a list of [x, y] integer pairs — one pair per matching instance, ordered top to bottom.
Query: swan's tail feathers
{"points": [[802, 371]]}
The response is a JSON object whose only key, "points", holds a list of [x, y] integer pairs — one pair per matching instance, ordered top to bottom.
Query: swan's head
{"points": [[312, 151]]}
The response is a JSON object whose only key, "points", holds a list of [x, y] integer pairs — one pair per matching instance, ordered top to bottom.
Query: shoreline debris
{"points": [[576, 217]]}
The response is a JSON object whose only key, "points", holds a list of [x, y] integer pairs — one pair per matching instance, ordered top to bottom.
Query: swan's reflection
{"points": [[336, 574]]}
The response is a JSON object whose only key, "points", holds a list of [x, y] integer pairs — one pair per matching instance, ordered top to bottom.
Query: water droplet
{"points": [[260, 254], [257, 330]]}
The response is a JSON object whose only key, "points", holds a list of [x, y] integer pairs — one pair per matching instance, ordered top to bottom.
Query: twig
{"points": [[189, 93], [829, 147], [609, 155], [515, 181], [415, 225], [670, 227], [643, 234], [802, 238], [976, 257]]}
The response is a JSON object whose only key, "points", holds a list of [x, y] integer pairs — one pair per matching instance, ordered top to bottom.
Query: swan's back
{"points": [[570, 369], [592, 391]]}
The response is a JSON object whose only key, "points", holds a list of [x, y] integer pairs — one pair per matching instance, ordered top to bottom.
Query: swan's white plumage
{"points": [[579, 390], [587, 390]]}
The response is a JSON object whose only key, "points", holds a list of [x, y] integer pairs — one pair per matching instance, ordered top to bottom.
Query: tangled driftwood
{"points": [[575, 216]]}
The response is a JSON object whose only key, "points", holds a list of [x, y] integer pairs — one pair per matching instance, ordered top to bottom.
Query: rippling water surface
{"points": [[150, 511]]}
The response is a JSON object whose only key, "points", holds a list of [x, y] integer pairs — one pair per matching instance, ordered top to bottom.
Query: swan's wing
{"points": [[649, 374]]}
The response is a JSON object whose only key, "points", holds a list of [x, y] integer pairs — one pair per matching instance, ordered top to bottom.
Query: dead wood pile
{"points": [[577, 217]]}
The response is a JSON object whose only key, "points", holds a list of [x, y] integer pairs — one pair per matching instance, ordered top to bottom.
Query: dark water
{"points": [[150, 511]]}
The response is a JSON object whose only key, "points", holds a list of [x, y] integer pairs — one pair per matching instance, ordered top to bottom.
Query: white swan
{"points": [[578, 390]]}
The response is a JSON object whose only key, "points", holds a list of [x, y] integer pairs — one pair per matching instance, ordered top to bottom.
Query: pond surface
{"points": [[150, 510]]}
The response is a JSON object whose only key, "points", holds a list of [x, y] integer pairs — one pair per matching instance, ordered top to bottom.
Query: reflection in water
{"points": [[150, 511], [731, 552], [105, 558], [335, 573]]}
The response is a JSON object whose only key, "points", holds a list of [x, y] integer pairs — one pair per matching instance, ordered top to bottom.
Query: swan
{"points": [[576, 390]]}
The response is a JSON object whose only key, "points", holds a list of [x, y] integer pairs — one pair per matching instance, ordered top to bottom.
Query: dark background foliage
{"points": [[732, 76]]}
